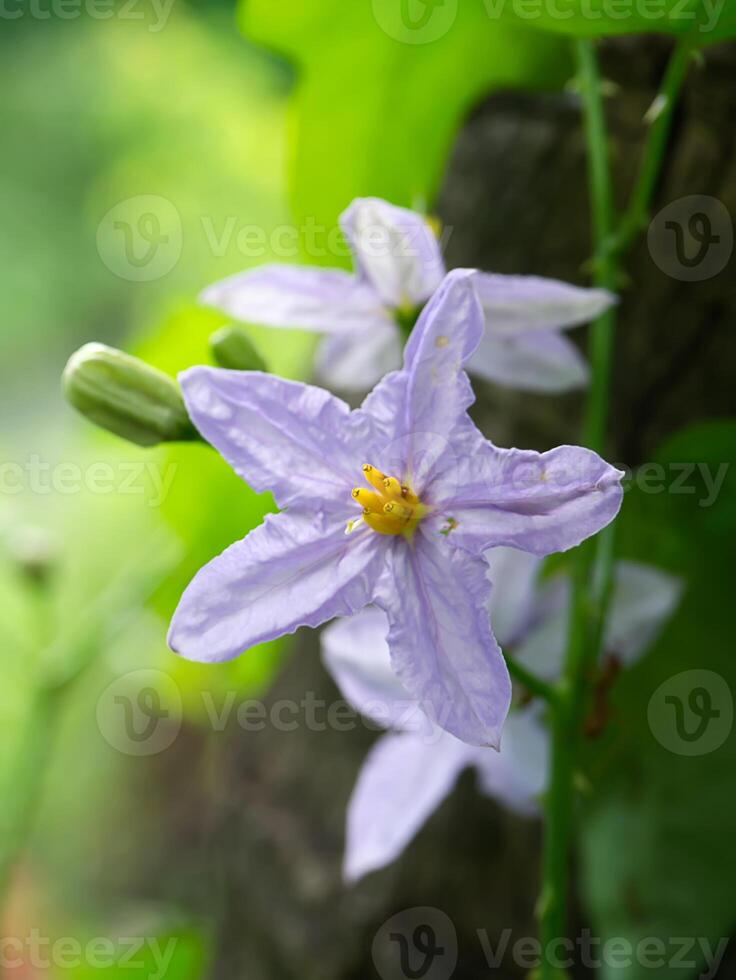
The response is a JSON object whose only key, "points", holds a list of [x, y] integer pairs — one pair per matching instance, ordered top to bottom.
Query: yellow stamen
{"points": [[374, 477], [392, 488], [368, 499], [391, 508], [399, 511]]}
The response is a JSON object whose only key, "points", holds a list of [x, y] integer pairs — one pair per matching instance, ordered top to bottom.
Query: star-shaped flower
{"points": [[398, 266], [436, 496], [414, 766]]}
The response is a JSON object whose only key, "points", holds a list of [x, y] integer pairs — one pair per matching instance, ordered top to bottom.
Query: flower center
{"points": [[390, 507]]}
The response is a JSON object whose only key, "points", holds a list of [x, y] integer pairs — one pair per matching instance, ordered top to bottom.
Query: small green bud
{"points": [[232, 348], [126, 396]]}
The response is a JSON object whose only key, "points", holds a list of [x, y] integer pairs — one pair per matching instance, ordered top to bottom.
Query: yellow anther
{"points": [[374, 477], [392, 488], [370, 500], [399, 511]]}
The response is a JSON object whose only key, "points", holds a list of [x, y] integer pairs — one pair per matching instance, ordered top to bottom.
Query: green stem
{"points": [[637, 213], [593, 563]]}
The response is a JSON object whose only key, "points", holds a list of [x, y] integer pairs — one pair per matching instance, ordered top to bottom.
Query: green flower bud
{"points": [[231, 348], [126, 396]]}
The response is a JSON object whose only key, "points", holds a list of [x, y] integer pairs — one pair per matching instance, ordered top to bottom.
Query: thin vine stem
{"points": [[636, 216], [593, 565]]}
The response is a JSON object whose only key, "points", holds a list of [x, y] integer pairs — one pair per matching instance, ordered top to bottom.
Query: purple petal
{"points": [[395, 251], [326, 300], [520, 303], [358, 360], [535, 361], [418, 409], [298, 441], [538, 502], [294, 570], [513, 576], [440, 637], [356, 653], [518, 774], [402, 782]]}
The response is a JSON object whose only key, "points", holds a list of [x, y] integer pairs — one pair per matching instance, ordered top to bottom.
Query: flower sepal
{"points": [[231, 348], [126, 396]]}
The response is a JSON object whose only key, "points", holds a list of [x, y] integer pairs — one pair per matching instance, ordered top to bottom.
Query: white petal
{"points": [[395, 250], [325, 300], [513, 304], [356, 361], [533, 361], [513, 576], [643, 600], [356, 653], [518, 774], [402, 782]]}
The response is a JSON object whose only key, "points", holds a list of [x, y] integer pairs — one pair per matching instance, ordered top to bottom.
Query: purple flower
{"points": [[398, 266], [436, 496], [411, 769]]}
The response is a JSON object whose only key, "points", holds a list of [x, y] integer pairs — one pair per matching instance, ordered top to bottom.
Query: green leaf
{"points": [[375, 112], [658, 850]]}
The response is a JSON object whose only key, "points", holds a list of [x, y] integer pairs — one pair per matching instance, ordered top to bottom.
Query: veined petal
{"points": [[395, 251], [326, 300], [520, 303], [357, 360], [532, 361], [418, 409], [296, 440], [538, 502], [296, 569], [513, 576], [440, 637], [356, 653], [518, 774], [402, 782]]}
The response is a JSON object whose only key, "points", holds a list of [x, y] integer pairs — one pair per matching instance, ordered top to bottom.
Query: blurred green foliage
{"points": [[95, 113], [375, 116]]}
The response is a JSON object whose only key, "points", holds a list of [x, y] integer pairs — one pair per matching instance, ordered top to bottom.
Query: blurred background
{"points": [[149, 150]]}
